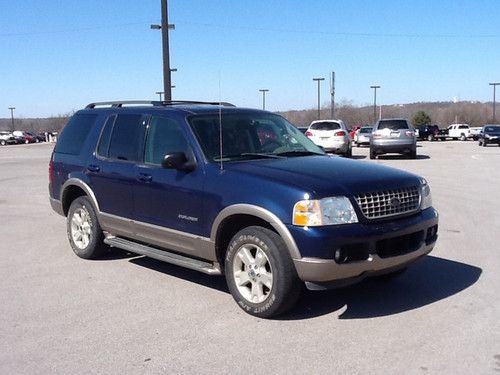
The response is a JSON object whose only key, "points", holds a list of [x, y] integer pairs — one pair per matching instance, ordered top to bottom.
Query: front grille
{"points": [[380, 204]]}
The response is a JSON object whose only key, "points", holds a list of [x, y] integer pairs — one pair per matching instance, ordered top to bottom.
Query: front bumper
{"points": [[364, 249]]}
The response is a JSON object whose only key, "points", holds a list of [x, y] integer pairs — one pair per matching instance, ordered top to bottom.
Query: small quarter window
{"points": [[103, 147]]}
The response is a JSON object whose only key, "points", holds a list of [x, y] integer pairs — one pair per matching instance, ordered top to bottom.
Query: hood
{"points": [[324, 176]]}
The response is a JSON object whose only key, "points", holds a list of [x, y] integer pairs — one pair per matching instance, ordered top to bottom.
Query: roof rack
{"points": [[155, 103]]}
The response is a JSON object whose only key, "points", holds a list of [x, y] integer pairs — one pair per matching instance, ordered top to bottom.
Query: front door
{"points": [[168, 203]]}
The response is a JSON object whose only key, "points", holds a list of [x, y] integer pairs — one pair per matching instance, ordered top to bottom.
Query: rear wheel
{"points": [[430, 137], [463, 137], [3, 142], [484, 143], [372, 154], [413, 154], [84, 232], [260, 273]]}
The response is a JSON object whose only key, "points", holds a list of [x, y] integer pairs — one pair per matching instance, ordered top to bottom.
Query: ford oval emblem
{"points": [[395, 202]]}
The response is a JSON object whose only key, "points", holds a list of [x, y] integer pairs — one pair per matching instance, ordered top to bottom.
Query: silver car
{"points": [[331, 135], [363, 136], [393, 136]]}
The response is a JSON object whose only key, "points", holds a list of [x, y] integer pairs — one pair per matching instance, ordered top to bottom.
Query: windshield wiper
{"points": [[298, 153], [248, 155]]}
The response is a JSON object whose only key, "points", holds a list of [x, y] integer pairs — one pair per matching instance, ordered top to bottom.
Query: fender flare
{"points": [[261, 213]]}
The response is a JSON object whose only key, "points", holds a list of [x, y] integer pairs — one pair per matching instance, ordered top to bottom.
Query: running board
{"points": [[165, 256]]}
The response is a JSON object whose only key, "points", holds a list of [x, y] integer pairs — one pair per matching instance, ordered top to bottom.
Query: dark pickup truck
{"points": [[431, 133]]}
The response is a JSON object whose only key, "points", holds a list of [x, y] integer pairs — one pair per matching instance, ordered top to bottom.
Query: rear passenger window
{"points": [[75, 134], [127, 137], [164, 137]]}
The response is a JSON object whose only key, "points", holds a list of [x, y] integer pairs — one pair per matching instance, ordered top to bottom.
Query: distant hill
{"points": [[441, 113]]}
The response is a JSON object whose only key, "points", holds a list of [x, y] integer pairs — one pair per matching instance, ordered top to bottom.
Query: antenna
{"points": [[220, 128]]}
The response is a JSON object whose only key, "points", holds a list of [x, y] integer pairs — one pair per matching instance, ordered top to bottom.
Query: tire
{"points": [[430, 137], [463, 137], [3, 142], [484, 143], [357, 144], [348, 154], [372, 154], [413, 154], [84, 232], [252, 253]]}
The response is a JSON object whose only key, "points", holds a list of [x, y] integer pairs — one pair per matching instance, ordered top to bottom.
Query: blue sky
{"points": [[57, 56]]}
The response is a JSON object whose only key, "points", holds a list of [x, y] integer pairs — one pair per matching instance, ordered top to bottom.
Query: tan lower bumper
{"points": [[325, 270]]}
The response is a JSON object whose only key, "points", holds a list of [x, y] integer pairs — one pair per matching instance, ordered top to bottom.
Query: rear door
{"points": [[113, 165]]}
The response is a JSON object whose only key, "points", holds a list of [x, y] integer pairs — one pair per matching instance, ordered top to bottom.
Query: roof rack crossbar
{"points": [[154, 103]]}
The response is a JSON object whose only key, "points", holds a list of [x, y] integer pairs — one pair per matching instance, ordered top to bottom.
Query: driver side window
{"points": [[164, 137]]}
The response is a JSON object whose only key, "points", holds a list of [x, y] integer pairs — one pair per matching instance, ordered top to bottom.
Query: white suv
{"points": [[331, 135]]}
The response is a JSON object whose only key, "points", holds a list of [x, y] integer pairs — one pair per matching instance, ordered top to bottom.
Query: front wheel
{"points": [[430, 137], [3, 142], [484, 143], [84, 232], [260, 273]]}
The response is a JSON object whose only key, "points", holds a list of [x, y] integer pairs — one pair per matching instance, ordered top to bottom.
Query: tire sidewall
{"points": [[271, 305]]}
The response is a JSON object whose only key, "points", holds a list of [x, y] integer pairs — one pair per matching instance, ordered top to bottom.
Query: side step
{"points": [[165, 256]]}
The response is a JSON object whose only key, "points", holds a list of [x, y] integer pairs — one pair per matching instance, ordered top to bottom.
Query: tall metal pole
{"points": [[166, 51], [318, 80], [494, 84], [263, 91], [159, 93], [332, 93], [374, 103], [12, 117]]}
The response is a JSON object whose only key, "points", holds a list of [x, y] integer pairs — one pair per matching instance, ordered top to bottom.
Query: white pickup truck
{"points": [[459, 131]]}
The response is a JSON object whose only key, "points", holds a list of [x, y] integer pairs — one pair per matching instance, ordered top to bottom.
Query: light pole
{"points": [[164, 27], [318, 80], [494, 84], [263, 91], [160, 93], [332, 96], [374, 102], [12, 117]]}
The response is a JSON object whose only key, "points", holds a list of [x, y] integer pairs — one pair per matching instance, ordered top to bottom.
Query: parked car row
{"points": [[19, 137]]}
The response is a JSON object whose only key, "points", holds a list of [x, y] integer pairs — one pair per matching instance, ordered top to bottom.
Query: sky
{"points": [[58, 56]]}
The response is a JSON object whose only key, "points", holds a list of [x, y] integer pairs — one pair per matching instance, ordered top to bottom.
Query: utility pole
{"points": [[164, 27], [319, 81], [494, 84], [263, 91], [160, 93], [332, 94], [374, 103], [12, 117]]}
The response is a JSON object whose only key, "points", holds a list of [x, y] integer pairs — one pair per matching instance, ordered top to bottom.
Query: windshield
{"points": [[492, 129], [365, 130], [250, 135]]}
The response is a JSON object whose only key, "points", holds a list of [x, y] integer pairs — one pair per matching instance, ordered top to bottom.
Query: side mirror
{"points": [[177, 160]]}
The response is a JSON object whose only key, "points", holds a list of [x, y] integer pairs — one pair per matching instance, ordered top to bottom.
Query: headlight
{"points": [[425, 191], [326, 211]]}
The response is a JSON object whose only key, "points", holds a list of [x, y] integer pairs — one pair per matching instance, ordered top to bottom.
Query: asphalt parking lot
{"points": [[130, 314]]}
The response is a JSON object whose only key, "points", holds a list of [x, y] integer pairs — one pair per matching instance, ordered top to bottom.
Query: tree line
{"points": [[439, 113]]}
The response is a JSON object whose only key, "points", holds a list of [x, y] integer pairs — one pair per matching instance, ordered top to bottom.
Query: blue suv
{"points": [[233, 191]]}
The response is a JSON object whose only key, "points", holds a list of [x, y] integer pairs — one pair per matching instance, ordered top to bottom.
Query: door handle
{"points": [[93, 168], [143, 177]]}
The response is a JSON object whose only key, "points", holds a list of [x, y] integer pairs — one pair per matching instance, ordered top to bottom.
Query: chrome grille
{"points": [[379, 204]]}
